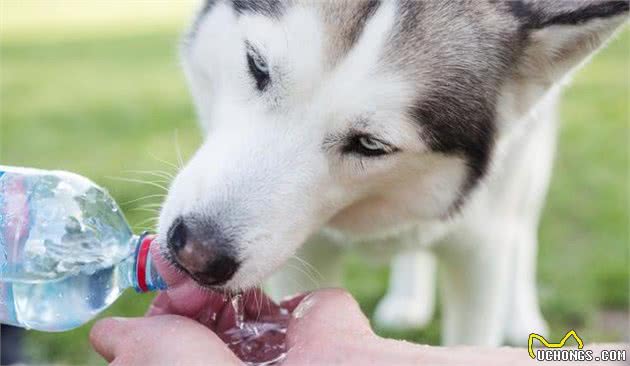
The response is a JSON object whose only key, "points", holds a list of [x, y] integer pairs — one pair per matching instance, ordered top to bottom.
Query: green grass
{"points": [[103, 103]]}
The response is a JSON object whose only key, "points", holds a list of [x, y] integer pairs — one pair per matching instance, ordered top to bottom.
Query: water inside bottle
{"points": [[69, 227], [68, 251], [67, 303], [258, 342]]}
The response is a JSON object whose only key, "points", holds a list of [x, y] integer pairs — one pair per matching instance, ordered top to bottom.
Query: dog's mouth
{"points": [[201, 280], [208, 283]]}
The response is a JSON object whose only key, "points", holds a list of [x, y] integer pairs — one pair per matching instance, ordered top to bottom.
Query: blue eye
{"points": [[371, 144], [366, 145]]}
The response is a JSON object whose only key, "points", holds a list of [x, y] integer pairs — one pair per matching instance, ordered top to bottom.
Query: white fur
{"points": [[263, 170]]}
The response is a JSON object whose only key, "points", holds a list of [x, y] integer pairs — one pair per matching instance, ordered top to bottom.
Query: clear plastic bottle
{"points": [[66, 250]]}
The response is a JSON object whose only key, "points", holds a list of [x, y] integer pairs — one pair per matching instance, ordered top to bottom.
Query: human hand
{"points": [[183, 321], [187, 325], [326, 327], [319, 328], [159, 340]]}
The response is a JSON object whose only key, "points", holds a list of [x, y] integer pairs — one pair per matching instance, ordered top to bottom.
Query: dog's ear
{"points": [[560, 34]]}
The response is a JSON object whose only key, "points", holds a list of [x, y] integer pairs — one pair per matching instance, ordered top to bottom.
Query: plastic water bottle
{"points": [[66, 250]]}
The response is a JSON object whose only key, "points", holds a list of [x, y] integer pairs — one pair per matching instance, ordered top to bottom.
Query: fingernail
{"points": [[305, 305]]}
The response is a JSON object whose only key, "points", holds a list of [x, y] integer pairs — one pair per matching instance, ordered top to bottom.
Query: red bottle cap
{"points": [[141, 262]]}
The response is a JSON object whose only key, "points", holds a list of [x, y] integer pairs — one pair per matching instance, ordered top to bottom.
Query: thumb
{"points": [[326, 315], [165, 339]]}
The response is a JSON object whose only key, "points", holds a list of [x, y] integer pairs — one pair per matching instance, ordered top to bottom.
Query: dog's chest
{"points": [[382, 245]]}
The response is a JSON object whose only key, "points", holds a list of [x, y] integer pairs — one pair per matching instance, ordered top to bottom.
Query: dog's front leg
{"points": [[475, 286], [489, 287], [410, 298], [524, 315]]}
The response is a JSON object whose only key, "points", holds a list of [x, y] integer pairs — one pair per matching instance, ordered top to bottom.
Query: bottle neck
{"points": [[144, 276]]}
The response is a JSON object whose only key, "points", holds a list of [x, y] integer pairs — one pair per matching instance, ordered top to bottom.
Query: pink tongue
{"points": [[170, 274]]}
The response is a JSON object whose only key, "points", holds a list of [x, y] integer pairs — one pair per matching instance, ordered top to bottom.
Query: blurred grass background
{"points": [[94, 87]]}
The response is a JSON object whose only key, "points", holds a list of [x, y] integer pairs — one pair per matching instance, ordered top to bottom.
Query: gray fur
{"points": [[270, 8], [540, 14], [345, 21], [458, 52]]}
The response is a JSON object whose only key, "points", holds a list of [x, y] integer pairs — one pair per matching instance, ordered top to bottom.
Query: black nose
{"points": [[200, 248]]}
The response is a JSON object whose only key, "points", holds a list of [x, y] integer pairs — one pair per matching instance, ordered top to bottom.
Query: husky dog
{"points": [[414, 130]]}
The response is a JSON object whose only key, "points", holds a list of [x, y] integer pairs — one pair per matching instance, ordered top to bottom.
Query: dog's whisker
{"points": [[178, 150], [165, 162], [156, 173], [138, 181], [166, 182], [158, 195], [151, 205], [145, 209], [150, 221], [138, 227], [143, 228], [310, 266], [310, 272], [308, 275], [297, 283], [255, 295], [266, 301], [258, 305]]}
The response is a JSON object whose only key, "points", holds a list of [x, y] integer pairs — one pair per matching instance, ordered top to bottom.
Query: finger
{"points": [[188, 299], [291, 302], [204, 308], [326, 315], [106, 335], [167, 339]]}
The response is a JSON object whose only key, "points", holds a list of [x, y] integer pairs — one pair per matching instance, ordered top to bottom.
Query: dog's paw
{"points": [[403, 313], [519, 329]]}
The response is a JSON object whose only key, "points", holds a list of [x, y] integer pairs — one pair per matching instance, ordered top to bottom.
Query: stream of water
{"points": [[260, 342]]}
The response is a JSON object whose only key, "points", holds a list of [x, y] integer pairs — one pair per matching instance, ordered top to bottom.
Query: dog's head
{"points": [[361, 114]]}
